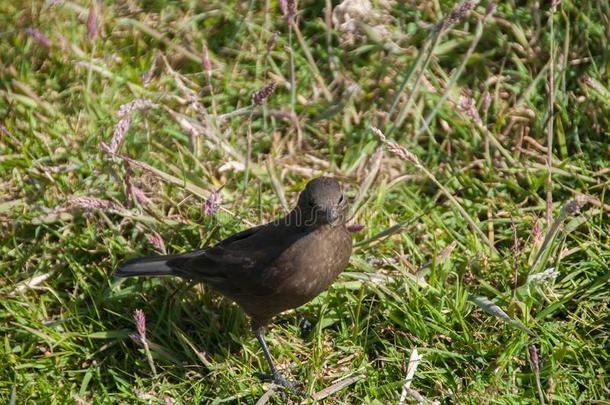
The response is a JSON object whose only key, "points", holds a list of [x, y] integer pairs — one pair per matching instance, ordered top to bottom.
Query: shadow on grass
{"points": [[188, 326]]}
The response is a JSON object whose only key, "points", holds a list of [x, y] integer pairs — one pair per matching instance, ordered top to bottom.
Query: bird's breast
{"points": [[315, 262]]}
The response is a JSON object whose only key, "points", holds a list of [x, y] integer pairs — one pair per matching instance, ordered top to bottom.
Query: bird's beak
{"points": [[331, 216]]}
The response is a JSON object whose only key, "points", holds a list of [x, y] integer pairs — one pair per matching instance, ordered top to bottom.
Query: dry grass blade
{"points": [[161, 38], [428, 48], [312, 63], [454, 77], [190, 95], [551, 120], [196, 129], [406, 155], [373, 169], [166, 177], [276, 184], [192, 188], [8, 206], [388, 232], [442, 256], [374, 278], [29, 284], [414, 360], [205, 361], [336, 387], [266, 396]]}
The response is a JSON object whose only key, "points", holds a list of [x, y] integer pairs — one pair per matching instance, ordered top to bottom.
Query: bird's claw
{"points": [[280, 381]]}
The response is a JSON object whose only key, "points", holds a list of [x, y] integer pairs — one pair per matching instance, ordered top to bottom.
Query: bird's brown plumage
{"points": [[273, 267]]}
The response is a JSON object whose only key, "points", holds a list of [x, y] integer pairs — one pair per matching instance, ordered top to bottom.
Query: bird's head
{"points": [[322, 202]]}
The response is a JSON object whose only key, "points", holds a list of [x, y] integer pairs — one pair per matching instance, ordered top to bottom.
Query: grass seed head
{"points": [[289, 9], [459, 12], [92, 23], [39, 37], [272, 41], [205, 61], [149, 73], [259, 97], [134, 105], [468, 107], [119, 133], [399, 150], [140, 196], [91, 203], [212, 203], [156, 240], [140, 320], [535, 361]]}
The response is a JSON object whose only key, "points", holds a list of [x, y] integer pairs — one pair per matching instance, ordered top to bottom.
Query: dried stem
{"points": [[457, 13], [312, 63], [456, 75], [293, 79], [407, 103], [549, 146], [404, 154]]}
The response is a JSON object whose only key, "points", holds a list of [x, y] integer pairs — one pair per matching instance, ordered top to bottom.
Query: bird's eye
{"points": [[341, 199], [311, 203]]}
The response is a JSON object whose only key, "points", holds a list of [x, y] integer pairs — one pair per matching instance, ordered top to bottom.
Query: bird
{"points": [[269, 268]]}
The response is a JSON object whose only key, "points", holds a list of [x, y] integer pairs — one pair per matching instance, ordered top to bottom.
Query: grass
{"points": [[490, 257]]}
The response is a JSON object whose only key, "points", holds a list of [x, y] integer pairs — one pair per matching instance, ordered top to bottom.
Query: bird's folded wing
{"points": [[242, 256], [213, 261]]}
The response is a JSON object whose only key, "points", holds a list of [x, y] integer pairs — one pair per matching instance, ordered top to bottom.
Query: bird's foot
{"points": [[280, 381]]}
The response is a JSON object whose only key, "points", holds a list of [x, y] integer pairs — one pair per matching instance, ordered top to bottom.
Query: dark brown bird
{"points": [[273, 267]]}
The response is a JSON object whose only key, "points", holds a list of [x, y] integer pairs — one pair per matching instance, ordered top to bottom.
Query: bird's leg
{"points": [[275, 375]]}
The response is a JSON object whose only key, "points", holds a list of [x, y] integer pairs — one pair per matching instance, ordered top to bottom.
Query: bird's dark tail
{"points": [[146, 266]]}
